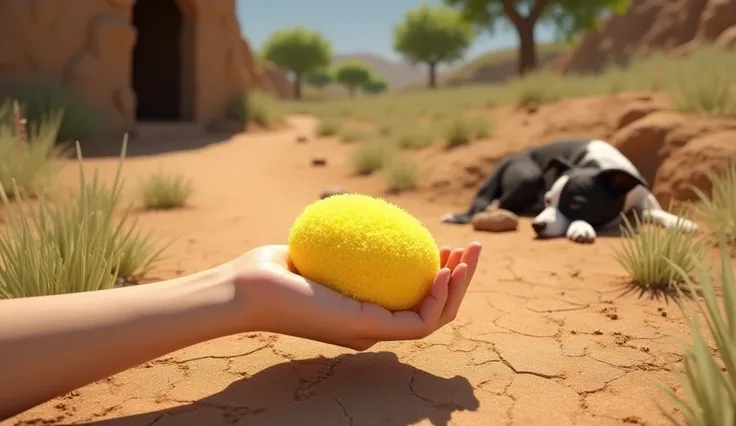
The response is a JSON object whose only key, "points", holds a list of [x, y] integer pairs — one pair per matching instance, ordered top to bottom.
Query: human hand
{"points": [[276, 299]]}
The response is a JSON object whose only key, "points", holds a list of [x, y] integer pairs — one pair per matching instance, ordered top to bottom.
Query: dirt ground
{"points": [[549, 333]]}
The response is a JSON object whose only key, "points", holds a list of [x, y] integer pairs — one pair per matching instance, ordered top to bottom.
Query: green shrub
{"points": [[705, 83], [39, 100], [255, 107], [328, 127], [459, 132], [352, 135], [416, 139], [368, 157], [31, 163], [401, 175], [163, 191], [718, 209], [73, 246], [649, 253], [709, 379]]}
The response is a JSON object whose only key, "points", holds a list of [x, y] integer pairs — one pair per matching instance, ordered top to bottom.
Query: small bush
{"points": [[704, 83], [538, 88], [39, 100], [255, 107], [328, 127], [482, 128], [459, 132], [352, 135], [416, 139], [368, 157], [32, 162], [401, 175], [163, 191], [718, 209], [71, 247], [649, 253], [710, 390]]}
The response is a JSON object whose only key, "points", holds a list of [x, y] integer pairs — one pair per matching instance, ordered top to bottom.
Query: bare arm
{"points": [[52, 345]]}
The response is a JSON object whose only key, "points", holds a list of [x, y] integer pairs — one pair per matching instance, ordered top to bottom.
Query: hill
{"points": [[396, 73]]}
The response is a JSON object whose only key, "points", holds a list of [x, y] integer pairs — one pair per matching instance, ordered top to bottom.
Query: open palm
{"points": [[284, 302]]}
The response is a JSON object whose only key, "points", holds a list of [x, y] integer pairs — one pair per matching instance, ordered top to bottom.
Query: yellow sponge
{"points": [[366, 248]]}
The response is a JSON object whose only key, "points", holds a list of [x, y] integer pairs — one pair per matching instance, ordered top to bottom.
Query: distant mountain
{"points": [[396, 73]]}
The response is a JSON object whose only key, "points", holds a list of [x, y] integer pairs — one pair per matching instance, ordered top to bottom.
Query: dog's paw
{"points": [[447, 218], [683, 224], [581, 232]]}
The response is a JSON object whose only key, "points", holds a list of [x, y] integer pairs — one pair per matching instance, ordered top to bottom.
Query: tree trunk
{"points": [[527, 47], [432, 67], [298, 86], [351, 91]]}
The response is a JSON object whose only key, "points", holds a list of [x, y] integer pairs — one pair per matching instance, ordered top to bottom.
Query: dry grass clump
{"points": [[705, 83], [256, 107], [328, 127], [463, 130], [414, 139], [28, 156], [369, 157], [401, 175], [165, 191], [717, 208], [653, 256]]}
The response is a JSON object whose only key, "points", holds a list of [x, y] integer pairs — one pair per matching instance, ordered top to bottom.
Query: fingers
{"points": [[444, 255], [470, 257], [454, 258], [456, 293], [434, 304]]}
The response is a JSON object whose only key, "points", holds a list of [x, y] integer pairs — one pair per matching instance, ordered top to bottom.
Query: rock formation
{"points": [[651, 25], [89, 45]]}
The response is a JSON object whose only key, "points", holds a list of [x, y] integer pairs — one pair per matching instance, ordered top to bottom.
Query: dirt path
{"points": [[545, 336]]}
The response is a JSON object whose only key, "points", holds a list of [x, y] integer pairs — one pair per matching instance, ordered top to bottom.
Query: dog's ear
{"points": [[558, 165], [619, 182]]}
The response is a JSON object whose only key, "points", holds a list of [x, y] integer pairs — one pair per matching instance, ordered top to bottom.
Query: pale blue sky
{"points": [[351, 25]]}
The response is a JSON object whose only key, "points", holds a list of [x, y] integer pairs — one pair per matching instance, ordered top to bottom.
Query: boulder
{"points": [[496, 220]]}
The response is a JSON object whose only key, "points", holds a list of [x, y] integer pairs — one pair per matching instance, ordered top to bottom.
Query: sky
{"points": [[351, 25]]}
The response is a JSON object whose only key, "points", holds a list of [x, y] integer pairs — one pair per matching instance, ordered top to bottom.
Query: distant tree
{"points": [[569, 17], [432, 35], [298, 50], [352, 75], [319, 78], [375, 85]]}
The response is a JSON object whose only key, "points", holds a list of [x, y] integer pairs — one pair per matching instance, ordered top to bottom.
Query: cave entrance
{"points": [[161, 61]]}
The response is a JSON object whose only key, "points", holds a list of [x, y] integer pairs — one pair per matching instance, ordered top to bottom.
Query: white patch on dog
{"points": [[608, 157], [556, 223], [581, 231]]}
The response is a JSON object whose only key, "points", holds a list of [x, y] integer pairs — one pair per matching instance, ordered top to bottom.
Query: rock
{"points": [[717, 17], [727, 39], [91, 49], [635, 111], [301, 139], [319, 162], [329, 192], [497, 220]]}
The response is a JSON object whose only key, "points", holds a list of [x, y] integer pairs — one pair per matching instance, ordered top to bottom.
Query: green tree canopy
{"points": [[569, 17], [432, 35], [298, 50], [352, 75], [320, 78], [375, 85]]}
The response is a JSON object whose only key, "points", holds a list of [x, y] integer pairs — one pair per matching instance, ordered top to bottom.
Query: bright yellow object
{"points": [[366, 248]]}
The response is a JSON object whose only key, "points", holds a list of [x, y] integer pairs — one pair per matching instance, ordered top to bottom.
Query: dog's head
{"points": [[582, 193]]}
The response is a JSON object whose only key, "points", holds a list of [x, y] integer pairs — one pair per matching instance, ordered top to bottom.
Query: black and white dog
{"points": [[573, 188]]}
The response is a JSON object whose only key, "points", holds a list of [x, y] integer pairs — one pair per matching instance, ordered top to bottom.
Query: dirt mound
{"points": [[651, 25], [672, 150]]}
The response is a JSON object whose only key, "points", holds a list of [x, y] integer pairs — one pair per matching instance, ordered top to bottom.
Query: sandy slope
{"points": [[546, 334]]}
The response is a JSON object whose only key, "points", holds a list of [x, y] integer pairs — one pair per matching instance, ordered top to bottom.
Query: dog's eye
{"points": [[547, 201], [574, 206]]}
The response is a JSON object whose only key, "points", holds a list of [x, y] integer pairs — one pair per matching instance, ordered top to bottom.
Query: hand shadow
{"points": [[364, 389]]}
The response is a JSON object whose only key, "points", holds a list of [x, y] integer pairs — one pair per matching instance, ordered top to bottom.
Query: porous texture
{"points": [[366, 248]]}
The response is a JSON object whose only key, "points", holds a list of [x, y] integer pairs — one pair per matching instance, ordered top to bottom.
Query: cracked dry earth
{"points": [[548, 333]]}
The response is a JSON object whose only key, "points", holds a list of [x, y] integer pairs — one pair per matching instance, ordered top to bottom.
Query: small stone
{"points": [[301, 139], [319, 162], [329, 192], [497, 220], [664, 314]]}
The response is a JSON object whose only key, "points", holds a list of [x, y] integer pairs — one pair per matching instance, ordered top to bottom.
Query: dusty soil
{"points": [[549, 333]]}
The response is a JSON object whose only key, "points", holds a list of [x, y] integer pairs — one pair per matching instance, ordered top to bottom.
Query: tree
{"points": [[569, 17], [432, 35], [298, 50], [352, 75], [319, 78], [375, 85]]}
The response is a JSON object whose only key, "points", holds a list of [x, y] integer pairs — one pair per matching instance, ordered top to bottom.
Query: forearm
{"points": [[52, 345]]}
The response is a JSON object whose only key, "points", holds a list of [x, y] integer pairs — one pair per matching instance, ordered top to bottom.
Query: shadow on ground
{"points": [[139, 148], [353, 389]]}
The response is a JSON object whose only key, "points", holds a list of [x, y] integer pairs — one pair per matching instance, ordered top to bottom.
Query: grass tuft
{"points": [[255, 107], [368, 157], [401, 175], [162, 191], [718, 208]]}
